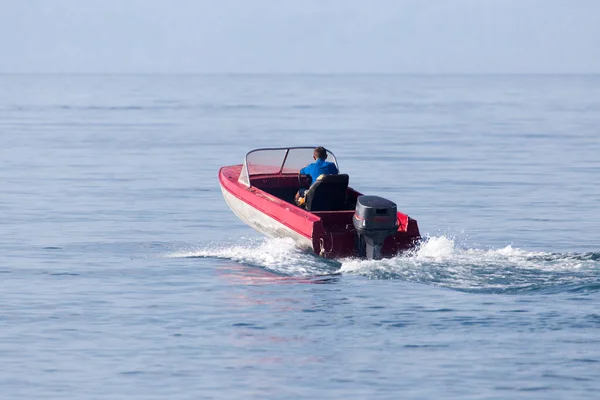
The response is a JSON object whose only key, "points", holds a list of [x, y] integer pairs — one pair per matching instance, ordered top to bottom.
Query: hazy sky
{"points": [[322, 36]]}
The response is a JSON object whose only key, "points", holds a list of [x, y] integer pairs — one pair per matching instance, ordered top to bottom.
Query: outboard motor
{"points": [[374, 220]]}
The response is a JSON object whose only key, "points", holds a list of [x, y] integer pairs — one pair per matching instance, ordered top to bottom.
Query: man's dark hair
{"points": [[321, 153]]}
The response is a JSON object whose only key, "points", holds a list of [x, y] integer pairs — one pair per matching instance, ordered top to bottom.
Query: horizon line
{"points": [[308, 73]]}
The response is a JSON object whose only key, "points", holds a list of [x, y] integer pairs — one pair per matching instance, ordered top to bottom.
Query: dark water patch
{"points": [[52, 248], [61, 273], [324, 280], [580, 298], [593, 318], [247, 325], [398, 325], [583, 342], [586, 360], [566, 377], [341, 380], [534, 389]]}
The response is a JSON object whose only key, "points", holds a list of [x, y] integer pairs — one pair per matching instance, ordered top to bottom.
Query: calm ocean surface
{"points": [[124, 275]]}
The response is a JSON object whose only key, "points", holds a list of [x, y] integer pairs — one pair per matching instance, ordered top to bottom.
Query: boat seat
{"points": [[328, 193]]}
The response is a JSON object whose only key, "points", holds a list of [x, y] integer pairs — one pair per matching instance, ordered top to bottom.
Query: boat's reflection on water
{"points": [[240, 274], [250, 286], [272, 324]]}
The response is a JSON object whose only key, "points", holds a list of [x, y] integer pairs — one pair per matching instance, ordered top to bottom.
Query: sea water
{"points": [[123, 273]]}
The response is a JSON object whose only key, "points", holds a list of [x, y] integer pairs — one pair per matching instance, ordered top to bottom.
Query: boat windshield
{"points": [[278, 161]]}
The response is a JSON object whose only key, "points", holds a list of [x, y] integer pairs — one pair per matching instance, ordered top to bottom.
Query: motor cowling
{"points": [[374, 220]]}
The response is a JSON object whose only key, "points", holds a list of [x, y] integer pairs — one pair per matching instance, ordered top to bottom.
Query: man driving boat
{"points": [[314, 170]]}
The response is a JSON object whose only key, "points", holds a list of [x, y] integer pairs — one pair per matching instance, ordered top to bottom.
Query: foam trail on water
{"points": [[437, 248], [278, 255], [439, 261]]}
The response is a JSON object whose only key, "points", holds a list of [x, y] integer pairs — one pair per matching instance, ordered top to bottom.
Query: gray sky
{"points": [[305, 36]]}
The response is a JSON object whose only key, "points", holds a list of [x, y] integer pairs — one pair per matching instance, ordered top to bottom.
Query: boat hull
{"points": [[328, 234]]}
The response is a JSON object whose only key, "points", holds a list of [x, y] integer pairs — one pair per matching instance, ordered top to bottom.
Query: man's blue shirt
{"points": [[319, 167]]}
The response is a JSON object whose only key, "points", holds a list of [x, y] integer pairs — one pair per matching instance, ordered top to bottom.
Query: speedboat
{"points": [[336, 220]]}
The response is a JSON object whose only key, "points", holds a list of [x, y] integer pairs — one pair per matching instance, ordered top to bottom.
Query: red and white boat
{"points": [[338, 221]]}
